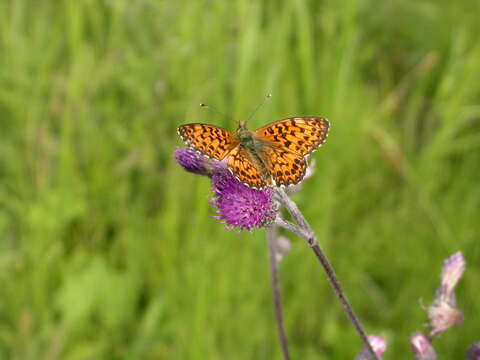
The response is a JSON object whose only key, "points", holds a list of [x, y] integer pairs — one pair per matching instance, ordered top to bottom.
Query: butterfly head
{"points": [[242, 126], [242, 131], [244, 135]]}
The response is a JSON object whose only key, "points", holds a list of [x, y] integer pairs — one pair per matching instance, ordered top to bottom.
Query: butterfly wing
{"points": [[298, 135], [209, 140], [285, 143], [286, 168], [244, 169]]}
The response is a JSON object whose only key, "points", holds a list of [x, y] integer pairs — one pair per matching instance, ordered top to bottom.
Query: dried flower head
{"points": [[193, 162], [240, 206], [452, 271], [443, 313], [443, 316], [422, 347]]}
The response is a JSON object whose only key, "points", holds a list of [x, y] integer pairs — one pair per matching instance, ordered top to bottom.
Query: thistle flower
{"points": [[193, 162], [240, 206], [443, 313], [379, 346], [421, 347]]}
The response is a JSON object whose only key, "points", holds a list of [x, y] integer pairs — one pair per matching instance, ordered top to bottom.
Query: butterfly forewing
{"points": [[299, 135], [210, 140], [285, 167], [245, 170]]}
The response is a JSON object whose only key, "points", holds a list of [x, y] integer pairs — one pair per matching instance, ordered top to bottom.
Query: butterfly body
{"points": [[253, 150], [272, 155]]}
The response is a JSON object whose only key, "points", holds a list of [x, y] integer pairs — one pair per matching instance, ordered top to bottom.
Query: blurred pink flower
{"points": [[379, 346], [422, 347]]}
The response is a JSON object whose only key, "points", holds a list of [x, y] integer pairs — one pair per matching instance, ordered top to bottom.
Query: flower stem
{"points": [[305, 231], [271, 236]]}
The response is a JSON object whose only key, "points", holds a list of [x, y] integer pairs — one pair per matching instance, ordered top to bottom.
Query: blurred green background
{"points": [[108, 249]]}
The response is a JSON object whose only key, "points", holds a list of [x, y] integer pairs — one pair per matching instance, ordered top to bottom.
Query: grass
{"points": [[107, 248]]}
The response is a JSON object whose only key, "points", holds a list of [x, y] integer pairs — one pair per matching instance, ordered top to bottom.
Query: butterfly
{"points": [[273, 155]]}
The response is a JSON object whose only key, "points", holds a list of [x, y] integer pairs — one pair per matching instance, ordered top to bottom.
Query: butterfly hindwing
{"points": [[299, 135], [210, 140], [242, 167], [285, 167]]}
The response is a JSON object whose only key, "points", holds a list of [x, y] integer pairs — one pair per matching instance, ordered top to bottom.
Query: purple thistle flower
{"points": [[193, 162], [240, 206], [421, 347], [473, 352]]}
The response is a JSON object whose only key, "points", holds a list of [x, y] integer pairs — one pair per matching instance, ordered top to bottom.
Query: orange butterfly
{"points": [[273, 155]]}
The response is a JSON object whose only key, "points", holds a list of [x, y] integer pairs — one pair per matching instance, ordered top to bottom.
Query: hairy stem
{"points": [[304, 230], [271, 236]]}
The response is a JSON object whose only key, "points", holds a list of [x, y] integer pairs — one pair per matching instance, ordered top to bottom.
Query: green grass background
{"points": [[108, 249]]}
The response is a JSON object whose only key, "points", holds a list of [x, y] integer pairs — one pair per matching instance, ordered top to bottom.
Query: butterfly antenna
{"points": [[265, 99], [214, 110]]}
